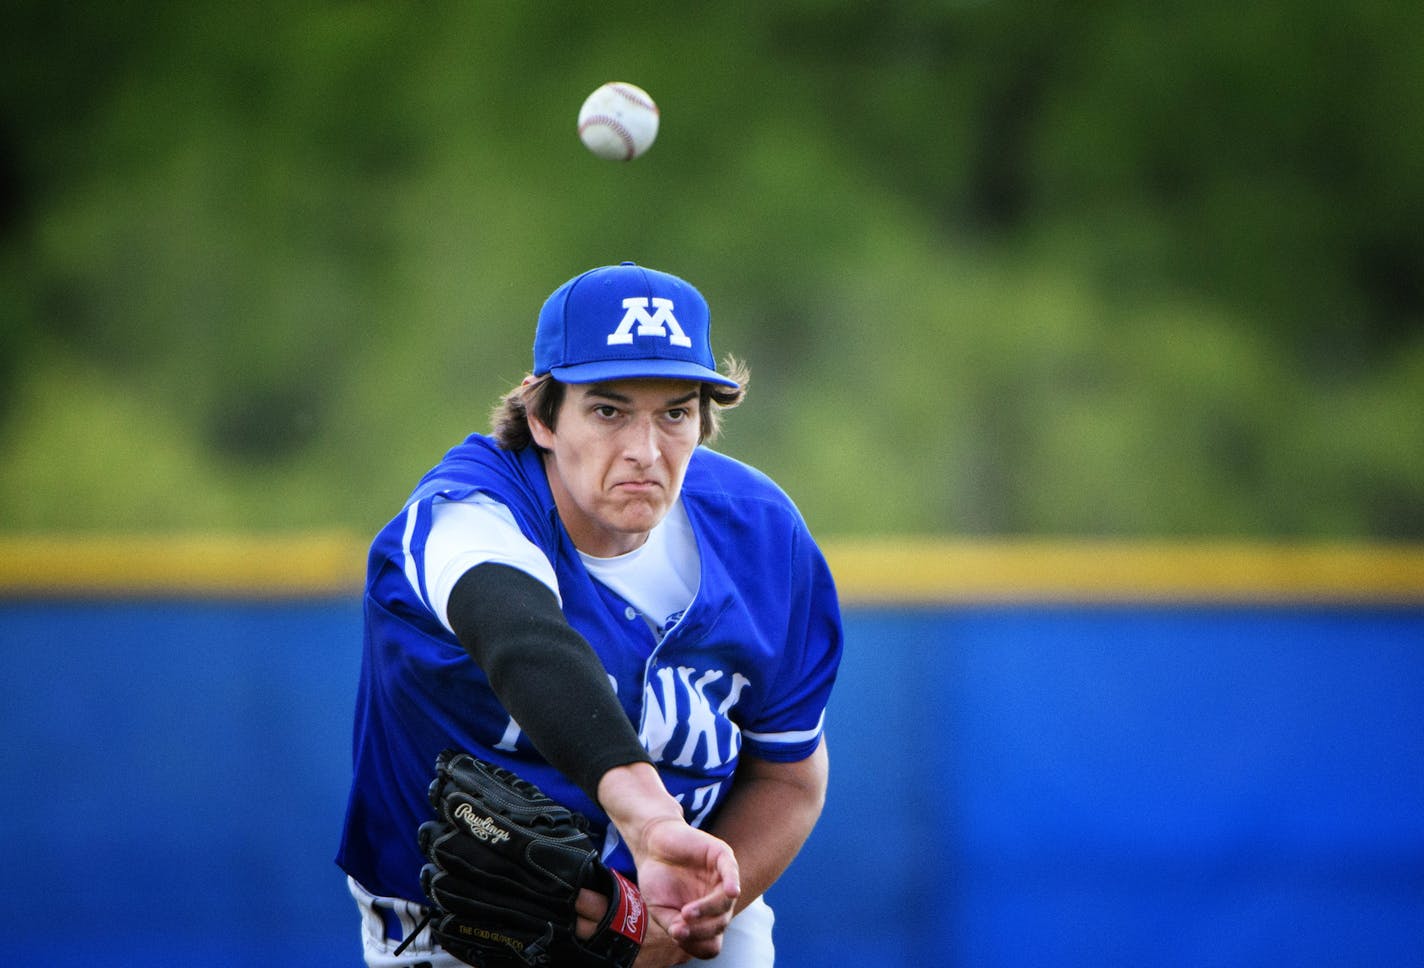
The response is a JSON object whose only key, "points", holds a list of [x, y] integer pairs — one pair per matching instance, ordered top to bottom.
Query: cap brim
{"points": [[606, 370]]}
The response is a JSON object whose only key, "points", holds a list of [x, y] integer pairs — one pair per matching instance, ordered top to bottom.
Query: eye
{"points": [[605, 410], [679, 414]]}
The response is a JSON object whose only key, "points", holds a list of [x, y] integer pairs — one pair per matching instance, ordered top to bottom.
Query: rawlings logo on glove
{"points": [[482, 827]]}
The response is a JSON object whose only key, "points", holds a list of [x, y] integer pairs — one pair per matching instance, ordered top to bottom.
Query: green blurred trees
{"points": [[998, 268]]}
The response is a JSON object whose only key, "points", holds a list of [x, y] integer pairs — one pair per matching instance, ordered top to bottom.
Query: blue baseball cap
{"points": [[623, 322]]}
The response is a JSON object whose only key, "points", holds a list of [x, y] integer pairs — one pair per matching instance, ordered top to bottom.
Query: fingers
{"points": [[730, 873], [721, 900], [589, 909], [699, 926], [701, 938]]}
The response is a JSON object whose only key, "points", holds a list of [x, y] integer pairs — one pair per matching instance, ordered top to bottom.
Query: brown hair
{"points": [[543, 395]]}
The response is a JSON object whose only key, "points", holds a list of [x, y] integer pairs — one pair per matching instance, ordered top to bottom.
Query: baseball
{"points": [[618, 121]]}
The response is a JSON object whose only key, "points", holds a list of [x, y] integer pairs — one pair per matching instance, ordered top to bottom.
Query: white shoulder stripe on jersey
{"points": [[412, 573], [795, 736]]}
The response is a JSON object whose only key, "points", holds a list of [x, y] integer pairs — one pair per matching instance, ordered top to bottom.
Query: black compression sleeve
{"points": [[545, 674]]}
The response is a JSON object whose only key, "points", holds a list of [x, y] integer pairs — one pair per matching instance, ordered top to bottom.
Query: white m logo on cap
{"points": [[649, 324]]}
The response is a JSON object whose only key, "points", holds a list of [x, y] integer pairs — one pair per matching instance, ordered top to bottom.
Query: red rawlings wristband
{"points": [[630, 914]]}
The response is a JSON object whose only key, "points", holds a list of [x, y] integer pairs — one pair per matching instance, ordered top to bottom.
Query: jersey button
{"points": [[630, 613]]}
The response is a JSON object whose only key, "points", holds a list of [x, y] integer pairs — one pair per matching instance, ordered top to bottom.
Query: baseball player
{"points": [[592, 599]]}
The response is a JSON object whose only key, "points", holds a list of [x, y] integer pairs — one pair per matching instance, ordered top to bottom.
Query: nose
{"points": [[640, 444]]}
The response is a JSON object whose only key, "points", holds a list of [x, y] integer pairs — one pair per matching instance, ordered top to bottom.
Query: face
{"points": [[617, 458]]}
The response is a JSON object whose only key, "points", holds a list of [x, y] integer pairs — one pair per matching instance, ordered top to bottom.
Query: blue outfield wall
{"points": [[1011, 785]]}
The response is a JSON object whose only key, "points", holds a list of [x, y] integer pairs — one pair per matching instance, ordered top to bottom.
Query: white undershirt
{"points": [[658, 579]]}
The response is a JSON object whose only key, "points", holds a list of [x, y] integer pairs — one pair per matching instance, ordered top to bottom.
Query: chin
{"points": [[640, 520]]}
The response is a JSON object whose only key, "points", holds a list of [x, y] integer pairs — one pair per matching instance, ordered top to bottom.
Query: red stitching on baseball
{"points": [[631, 95], [615, 126]]}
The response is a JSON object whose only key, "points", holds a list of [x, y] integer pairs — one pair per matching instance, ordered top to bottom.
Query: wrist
{"points": [[636, 801]]}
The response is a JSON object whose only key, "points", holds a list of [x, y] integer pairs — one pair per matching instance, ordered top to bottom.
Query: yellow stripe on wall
{"points": [[191, 566], [868, 571], [928, 571]]}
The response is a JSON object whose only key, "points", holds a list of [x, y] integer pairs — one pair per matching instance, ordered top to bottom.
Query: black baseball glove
{"points": [[506, 864]]}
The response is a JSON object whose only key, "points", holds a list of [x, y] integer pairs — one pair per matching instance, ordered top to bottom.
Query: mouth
{"points": [[637, 487]]}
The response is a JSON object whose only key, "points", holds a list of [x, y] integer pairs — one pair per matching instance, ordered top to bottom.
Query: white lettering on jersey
{"points": [[649, 324], [739, 682], [676, 701], [659, 718], [701, 720], [704, 798]]}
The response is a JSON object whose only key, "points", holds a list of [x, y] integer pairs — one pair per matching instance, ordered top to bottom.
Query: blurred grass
{"points": [[998, 269]]}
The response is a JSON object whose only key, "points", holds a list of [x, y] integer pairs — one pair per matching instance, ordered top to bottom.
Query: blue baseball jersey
{"points": [[749, 666]]}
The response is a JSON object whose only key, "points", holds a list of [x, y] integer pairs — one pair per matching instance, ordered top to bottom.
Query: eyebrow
{"points": [[602, 390]]}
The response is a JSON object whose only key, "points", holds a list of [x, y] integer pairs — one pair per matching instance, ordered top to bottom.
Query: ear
{"points": [[540, 431], [542, 435]]}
